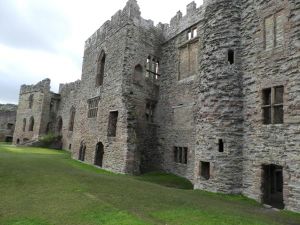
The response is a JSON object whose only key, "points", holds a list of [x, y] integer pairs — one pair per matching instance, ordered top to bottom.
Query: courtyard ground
{"points": [[46, 187]]}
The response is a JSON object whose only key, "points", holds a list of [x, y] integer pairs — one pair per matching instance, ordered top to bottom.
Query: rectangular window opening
{"points": [[93, 107], [272, 107], [112, 124], [221, 145], [181, 155]]}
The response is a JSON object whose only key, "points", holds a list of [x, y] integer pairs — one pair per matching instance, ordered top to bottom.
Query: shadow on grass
{"points": [[167, 180]]}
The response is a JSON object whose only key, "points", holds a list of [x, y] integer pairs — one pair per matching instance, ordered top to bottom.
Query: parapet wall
{"points": [[129, 15], [179, 23], [41, 86], [65, 89], [8, 107]]}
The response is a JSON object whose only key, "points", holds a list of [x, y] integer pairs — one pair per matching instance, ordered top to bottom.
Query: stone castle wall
{"points": [[264, 68], [200, 114], [8, 115]]}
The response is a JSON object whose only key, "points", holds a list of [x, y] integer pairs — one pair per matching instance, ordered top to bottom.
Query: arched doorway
{"points": [[82, 149], [99, 154]]}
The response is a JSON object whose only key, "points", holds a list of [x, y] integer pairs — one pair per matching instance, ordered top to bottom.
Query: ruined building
{"points": [[213, 97], [8, 115]]}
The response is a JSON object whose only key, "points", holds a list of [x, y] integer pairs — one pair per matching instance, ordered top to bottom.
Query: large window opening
{"points": [[152, 68], [100, 69], [30, 101], [272, 106], [93, 107], [72, 119], [31, 124], [112, 124], [24, 125], [181, 155]]}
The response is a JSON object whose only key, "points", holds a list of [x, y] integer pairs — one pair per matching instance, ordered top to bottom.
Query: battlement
{"points": [[130, 14], [181, 22], [42, 86], [65, 89], [8, 107]]}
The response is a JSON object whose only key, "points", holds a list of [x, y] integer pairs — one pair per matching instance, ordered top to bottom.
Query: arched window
{"points": [[100, 69], [138, 73], [30, 101], [72, 118], [31, 124], [24, 125], [59, 125], [99, 154], [81, 155]]}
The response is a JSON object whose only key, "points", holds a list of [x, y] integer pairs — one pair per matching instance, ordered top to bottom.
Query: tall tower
{"points": [[219, 111]]}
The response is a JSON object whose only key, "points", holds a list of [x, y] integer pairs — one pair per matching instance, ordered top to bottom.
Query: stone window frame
{"points": [[274, 16], [192, 33], [187, 45], [152, 68], [100, 70], [30, 101], [271, 105], [93, 107], [72, 118], [24, 124], [31, 124], [112, 126], [181, 155], [205, 170]]}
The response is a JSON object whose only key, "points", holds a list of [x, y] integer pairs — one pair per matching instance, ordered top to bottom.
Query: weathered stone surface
{"points": [[194, 84], [8, 115]]}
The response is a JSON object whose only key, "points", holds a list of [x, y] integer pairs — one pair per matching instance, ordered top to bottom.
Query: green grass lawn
{"points": [[45, 187]]}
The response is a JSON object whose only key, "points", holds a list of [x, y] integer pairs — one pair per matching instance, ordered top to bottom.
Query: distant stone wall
{"points": [[34, 112], [7, 122]]}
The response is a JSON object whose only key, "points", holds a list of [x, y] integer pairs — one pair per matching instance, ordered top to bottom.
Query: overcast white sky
{"points": [[45, 38]]}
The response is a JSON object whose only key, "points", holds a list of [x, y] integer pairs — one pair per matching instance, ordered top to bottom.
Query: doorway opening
{"points": [[99, 154], [272, 186]]}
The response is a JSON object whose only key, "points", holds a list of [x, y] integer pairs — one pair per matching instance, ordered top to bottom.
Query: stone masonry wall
{"points": [[263, 68], [41, 96], [206, 97], [219, 108], [8, 115]]}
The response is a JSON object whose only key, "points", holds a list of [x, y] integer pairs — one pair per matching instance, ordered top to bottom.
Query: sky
{"points": [[45, 38]]}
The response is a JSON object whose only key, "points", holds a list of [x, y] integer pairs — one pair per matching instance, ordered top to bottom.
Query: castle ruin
{"points": [[214, 96]]}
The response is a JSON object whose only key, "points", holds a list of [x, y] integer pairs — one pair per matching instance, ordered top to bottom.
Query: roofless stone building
{"points": [[214, 96]]}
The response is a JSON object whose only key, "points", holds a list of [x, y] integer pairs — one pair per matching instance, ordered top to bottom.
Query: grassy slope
{"points": [[46, 187]]}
